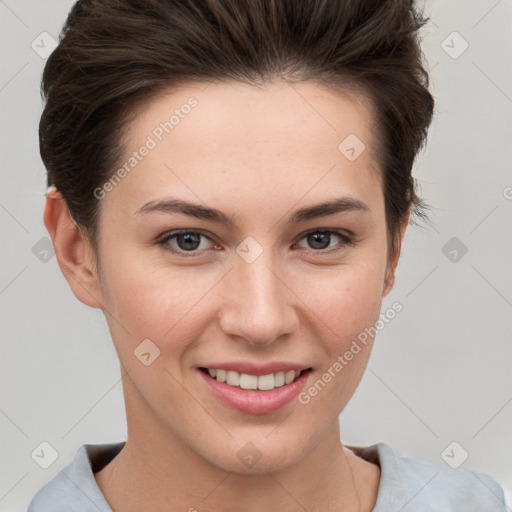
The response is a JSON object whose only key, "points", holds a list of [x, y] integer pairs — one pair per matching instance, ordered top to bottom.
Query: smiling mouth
{"points": [[254, 382]]}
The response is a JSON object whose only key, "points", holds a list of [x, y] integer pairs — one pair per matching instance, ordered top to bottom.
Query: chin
{"points": [[252, 455]]}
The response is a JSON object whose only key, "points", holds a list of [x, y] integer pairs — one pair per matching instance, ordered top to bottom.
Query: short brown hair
{"points": [[116, 54]]}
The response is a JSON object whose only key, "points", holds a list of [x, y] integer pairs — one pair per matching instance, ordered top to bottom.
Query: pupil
{"points": [[192, 238], [315, 238]]}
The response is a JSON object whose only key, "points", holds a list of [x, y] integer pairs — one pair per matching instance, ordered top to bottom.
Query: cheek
{"points": [[345, 299], [156, 303], [169, 305], [345, 308]]}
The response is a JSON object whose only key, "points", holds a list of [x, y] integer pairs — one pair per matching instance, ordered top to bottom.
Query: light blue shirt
{"points": [[407, 484]]}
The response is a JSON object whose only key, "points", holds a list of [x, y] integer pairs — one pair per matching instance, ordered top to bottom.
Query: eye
{"points": [[320, 240], [186, 241], [190, 242]]}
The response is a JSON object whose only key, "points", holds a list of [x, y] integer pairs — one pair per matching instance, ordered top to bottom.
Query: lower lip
{"points": [[252, 401]]}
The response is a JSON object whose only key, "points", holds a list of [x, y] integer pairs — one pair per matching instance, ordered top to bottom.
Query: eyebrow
{"points": [[171, 205]]}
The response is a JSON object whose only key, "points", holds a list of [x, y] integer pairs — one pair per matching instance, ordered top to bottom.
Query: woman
{"points": [[230, 182]]}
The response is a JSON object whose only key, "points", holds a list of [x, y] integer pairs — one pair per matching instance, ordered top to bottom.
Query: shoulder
{"points": [[415, 485], [74, 488]]}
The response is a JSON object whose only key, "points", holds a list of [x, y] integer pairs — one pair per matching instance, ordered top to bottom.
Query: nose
{"points": [[258, 305]]}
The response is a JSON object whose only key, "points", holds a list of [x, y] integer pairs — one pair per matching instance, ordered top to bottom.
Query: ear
{"points": [[73, 250], [389, 280]]}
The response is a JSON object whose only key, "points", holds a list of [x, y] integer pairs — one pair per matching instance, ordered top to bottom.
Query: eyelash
{"points": [[346, 240]]}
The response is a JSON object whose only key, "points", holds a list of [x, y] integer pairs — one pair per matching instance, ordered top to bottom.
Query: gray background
{"points": [[440, 372]]}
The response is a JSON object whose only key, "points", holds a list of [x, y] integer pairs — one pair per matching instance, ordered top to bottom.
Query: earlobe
{"points": [[73, 251]]}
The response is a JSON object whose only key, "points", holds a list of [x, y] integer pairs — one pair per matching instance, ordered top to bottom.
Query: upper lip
{"points": [[257, 369]]}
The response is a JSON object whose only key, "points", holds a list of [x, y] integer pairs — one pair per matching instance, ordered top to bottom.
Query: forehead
{"points": [[244, 115], [217, 139]]}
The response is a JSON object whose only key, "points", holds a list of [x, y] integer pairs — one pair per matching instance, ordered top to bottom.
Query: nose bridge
{"points": [[258, 306]]}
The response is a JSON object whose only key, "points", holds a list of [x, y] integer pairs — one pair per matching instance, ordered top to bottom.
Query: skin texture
{"points": [[257, 154]]}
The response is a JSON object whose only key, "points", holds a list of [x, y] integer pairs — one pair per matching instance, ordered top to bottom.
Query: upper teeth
{"points": [[245, 381]]}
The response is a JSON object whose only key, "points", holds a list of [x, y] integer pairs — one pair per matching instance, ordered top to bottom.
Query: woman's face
{"points": [[253, 282]]}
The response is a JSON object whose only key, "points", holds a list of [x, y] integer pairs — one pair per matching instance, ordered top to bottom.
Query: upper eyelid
{"points": [[340, 232]]}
